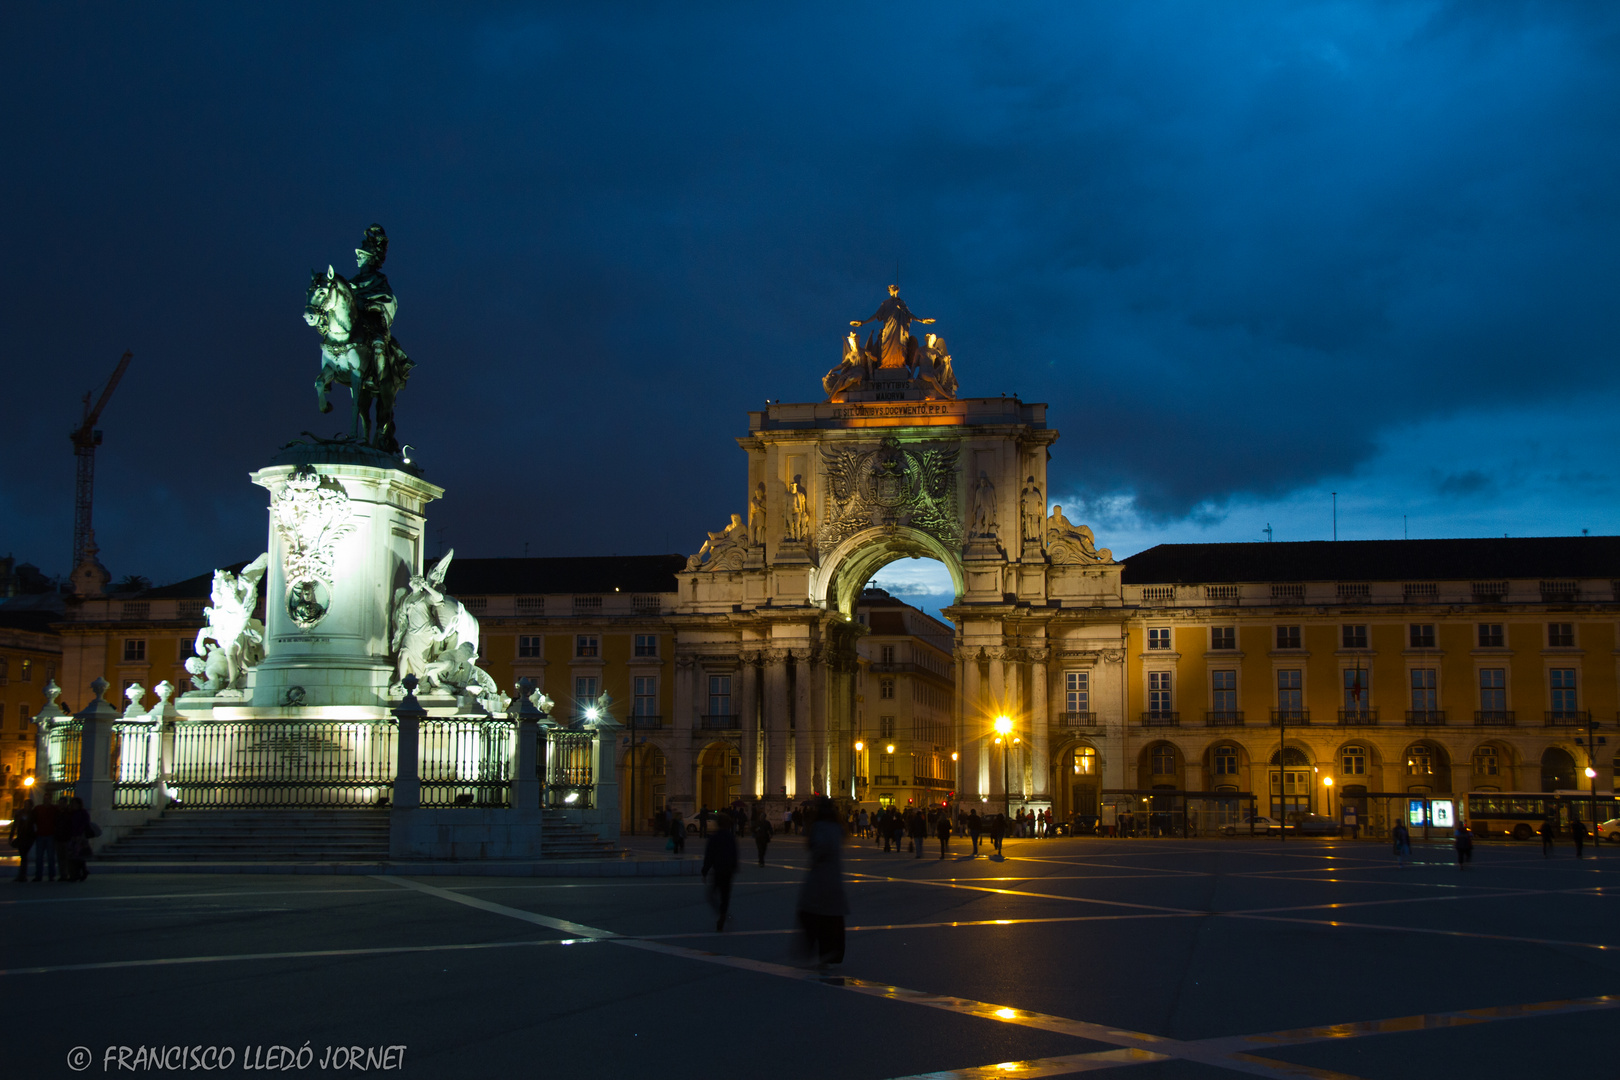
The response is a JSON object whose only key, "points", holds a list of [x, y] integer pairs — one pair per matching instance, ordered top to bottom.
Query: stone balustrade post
{"points": [[409, 715], [605, 776], [95, 782], [526, 782]]}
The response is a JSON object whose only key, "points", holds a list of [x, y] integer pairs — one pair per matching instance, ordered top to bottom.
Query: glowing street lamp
{"points": [[1004, 728]]}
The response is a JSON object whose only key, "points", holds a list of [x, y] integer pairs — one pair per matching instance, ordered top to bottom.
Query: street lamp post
{"points": [[1004, 729], [855, 768], [1591, 778]]}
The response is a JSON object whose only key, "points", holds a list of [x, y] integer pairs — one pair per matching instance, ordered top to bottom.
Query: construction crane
{"points": [[85, 440]]}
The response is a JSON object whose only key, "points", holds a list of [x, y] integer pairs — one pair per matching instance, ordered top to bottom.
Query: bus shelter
{"points": [[1173, 812], [1426, 815]]}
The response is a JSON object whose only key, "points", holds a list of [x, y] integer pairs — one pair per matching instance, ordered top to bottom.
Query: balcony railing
{"points": [[1358, 716], [1280, 717], [1425, 717], [1159, 718], [1224, 718], [1494, 718], [1566, 718], [1077, 719], [720, 722], [644, 723], [887, 778]]}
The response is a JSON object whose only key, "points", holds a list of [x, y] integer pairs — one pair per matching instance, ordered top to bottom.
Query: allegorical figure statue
{"points": [[355, 320], [897, 343], [984, 506], [798, 510], [756, 515], [1034, 515], [1071, 543], [723, 550], [435, 637], [233, 640]]}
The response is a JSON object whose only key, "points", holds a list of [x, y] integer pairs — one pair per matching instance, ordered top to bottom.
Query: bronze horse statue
{"points": [[347, 358]]}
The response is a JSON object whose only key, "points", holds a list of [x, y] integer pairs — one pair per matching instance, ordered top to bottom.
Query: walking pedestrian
{"points": [[787, 820], [45, 821], [861, 821], [975, 825], [942, 829], [998, 830], [1549, 831], [677, 832], [919, 833], [1577, 833], [762, 835], [22, 837], [78, 841], [1403, 844], [1465, 845], [720, 859], [822, 904]]}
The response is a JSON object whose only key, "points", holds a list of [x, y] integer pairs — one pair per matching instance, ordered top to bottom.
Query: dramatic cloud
{"points": [[1242, 250]]}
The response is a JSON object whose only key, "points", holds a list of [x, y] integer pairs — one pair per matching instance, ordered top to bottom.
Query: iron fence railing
{"points": [[1358, 717], [1223, 718], [1425, 718], [1495, 718], [1077, 719], [63, 744], [134, 751], [466, 762], [273, 763], [567, 769]]}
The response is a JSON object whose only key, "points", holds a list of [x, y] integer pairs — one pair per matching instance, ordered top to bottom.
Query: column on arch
{"points": [[817, 669], [748, 706], [1038, 720], [776, 723], [803, 728], [975, 753], [1000, 766], [679, 777]]}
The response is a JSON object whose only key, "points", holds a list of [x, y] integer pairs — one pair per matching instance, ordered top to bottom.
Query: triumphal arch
{"points": [[892, 463]]}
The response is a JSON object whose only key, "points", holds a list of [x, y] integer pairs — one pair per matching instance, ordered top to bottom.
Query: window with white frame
{"points": [[1354, 635], [1421, 635], [1490, 635], [1561, 635], [1159, 637], [1222, 637], [1288, 637], [646, 645], [528, 646], [587, 647], [134, 651], [886, 654], [1562, 681], [885, 688], [1223, 690], [1493, 690], [586, 691], [1077, 691], [1290, 691], [1357, 691], [1425, 692], [719, 695], [1160, 700], [644, 701], [885, 727], [1164, 760], [1226, 760], [1419, 760], [1353, 761], [1487, 762]]}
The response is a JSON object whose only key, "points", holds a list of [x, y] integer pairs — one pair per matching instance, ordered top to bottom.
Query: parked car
{"points": [[1260, 823], [1306, 825], [1609, 830]]}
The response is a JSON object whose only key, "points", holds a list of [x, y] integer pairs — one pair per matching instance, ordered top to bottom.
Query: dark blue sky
{"points": [[1250, 253]]}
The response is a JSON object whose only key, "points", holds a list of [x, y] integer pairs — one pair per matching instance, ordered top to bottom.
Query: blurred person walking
{"points": [[46, 818], [975, 825], [918, 827], [943, 829], [998, 830], [1549, 832], [1578, 833], [762, 835], [22, 837], [1403, 844], [1465, 845], [720, 858], [822, 904]]}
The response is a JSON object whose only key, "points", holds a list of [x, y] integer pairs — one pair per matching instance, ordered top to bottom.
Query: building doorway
{"points": [[1557, 770], [719, 776], [1078, 786], [1291, 786], [643, 787]]}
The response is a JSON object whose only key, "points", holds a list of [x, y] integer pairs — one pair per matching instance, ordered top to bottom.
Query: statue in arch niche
{"points": [[984, 506], [798, 511], [756, 515], [1034, 515]]}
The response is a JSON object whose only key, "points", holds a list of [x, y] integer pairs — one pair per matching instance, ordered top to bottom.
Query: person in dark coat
{"points": [[46, 819], [975, 825], [943, 830], [998, 830], [677, 831], [1549, 831], [919, 833], [1577, 833], [762, 835], [22, 837], [1402, 840], [77, 841], [1465, 845], [720, 859], [822, 904]]}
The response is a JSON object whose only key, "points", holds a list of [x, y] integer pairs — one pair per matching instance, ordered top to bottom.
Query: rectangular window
{"points": [[1421, 635], [1490, 635], [1561, 635], [1354, 636], [1158, 637], [1223, 637], [1287, 637], [646, 645], [528, 646], [586, 647], [134, 650], [887, 653], [28, 663], [1223, 686], [886, 688], [1357, 689], [1563, 689], [1493, 690], [1077, 691], [1290, 691], [585, 694], [719, 695], [1159, 699], [1424, 699], [645, 701], [24, 718], [885, 727], [1164, 760], [1226, 761], [1353, 761], [1486, 763]]}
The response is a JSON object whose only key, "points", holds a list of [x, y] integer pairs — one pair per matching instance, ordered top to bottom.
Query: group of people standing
{"points": [[59, 836]]}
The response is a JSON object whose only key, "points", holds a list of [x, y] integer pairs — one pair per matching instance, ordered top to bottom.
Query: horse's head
{"points": [[328, 305]]}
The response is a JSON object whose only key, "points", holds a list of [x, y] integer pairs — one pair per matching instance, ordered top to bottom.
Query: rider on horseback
{"points": [[374, 298]]}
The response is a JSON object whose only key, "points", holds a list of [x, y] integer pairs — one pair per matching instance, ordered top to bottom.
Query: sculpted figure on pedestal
{"points": [[355, 321], [897, 344], [934, 366], [855, 368], [984, 506], [798, 511], [1034, 512], [756, 515], [1071, 543], [724, 550], [435, 637], [232, 640]]}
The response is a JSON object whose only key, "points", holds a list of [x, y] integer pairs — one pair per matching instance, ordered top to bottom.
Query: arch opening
{"points": [[858, 559]]}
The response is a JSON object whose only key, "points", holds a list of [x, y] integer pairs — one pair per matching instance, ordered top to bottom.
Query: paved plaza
{"points": [[1137, 958]]}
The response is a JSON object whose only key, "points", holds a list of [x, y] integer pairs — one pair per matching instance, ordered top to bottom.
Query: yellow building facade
{"points": [[29, 656]]}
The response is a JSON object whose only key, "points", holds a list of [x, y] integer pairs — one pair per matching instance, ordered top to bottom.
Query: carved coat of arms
{"points": [[890, 485], [312, 514]]}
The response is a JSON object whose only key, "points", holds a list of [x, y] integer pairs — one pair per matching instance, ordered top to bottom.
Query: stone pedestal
{"points": [[346, 530]]}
